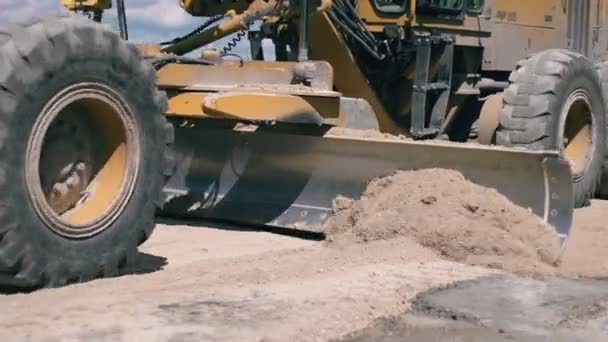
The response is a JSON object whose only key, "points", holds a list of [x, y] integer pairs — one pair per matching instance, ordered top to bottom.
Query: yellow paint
{"points": [[90, 4], [368, 12], [530, 13], [348, 78], [187, 104], [251, 105], [263, 106], [112, 174], [109, 182]]}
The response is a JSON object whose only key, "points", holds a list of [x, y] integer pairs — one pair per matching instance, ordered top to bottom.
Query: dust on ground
{"points": [[364, 134], [459, 220], [586, 254], [220, 284], [513, 308]]}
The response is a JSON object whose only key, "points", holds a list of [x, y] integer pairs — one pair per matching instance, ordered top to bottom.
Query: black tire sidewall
{"points": [[581, 75], [51, 255]]}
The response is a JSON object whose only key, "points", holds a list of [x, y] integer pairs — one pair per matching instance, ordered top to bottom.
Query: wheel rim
{"points": [[489, 119], [576, 132], [82, 160]]}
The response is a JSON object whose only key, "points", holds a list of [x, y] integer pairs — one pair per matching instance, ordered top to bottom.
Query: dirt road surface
{"points": [[193, 283]]}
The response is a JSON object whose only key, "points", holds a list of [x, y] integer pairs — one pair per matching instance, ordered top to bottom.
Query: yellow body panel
{"points": [[92, 4], [538, 13], [524, 26], [231, 73], [348, 80], [252, 90], [195, 104], [251, 104], [268, 106]]}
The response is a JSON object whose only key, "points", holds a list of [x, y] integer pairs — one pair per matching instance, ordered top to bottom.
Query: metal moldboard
{"points": [[290, 180]]}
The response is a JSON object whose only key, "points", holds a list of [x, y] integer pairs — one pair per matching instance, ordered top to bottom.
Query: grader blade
{"points": [[270, 177]]}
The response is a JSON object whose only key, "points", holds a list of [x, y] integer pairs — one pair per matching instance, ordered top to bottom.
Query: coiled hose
{"points": [[234, 41]]}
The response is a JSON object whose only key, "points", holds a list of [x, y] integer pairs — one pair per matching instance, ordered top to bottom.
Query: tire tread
{"points": [[27, 51], [527, 115]]}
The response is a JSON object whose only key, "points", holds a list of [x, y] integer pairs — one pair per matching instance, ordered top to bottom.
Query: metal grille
{"points": [[579, 25]]}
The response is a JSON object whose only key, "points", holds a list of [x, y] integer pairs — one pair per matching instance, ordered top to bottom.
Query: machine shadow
{"points": [[236, 227], [143, 263], [140, 264]]}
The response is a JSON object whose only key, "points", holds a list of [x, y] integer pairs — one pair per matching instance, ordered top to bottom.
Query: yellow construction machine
{"points": [[98, 136]]}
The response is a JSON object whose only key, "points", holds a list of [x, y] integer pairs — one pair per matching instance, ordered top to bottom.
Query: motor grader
{"points": [[99, 136]]}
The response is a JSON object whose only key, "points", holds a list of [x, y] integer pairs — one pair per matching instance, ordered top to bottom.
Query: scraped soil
{"points": [[364, 134], [441, 210], [459, 220], [411, 234]]}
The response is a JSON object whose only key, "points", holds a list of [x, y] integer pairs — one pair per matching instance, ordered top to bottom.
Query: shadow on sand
{"points": [[231, 226], [142, 263]]}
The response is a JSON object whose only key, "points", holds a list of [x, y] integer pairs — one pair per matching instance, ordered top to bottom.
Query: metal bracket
{"points": [[122, 19], [423, 41], [255, 43]]}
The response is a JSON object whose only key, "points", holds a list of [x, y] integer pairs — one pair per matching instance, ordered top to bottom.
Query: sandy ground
{"points": [[459, 220], [587, 250], [194, 283]]}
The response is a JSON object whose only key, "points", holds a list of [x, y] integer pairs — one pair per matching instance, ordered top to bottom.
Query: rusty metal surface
{"points": [[291, 180]]}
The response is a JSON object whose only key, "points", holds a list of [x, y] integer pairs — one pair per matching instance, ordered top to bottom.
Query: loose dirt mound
{"points": [[459, 220]]}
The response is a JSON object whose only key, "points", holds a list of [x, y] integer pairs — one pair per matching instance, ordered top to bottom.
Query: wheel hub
{"points": [[489, 119], [576, 134], [66, 161], [82, 164]]}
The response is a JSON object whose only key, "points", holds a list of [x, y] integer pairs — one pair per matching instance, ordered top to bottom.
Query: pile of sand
{"points": [[458, 219]]}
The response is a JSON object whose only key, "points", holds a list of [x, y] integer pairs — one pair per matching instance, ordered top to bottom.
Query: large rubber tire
{"points": [[38, 59], [532, 111], [602, 189]]}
